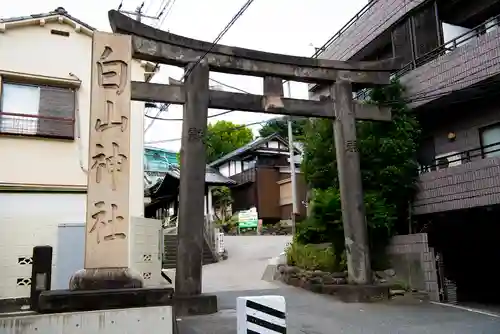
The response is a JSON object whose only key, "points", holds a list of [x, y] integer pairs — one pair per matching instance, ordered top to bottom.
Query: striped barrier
{"points": [[261, 314]]}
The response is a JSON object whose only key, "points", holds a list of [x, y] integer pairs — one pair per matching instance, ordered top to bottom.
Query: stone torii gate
{"points": [[112, 91]]}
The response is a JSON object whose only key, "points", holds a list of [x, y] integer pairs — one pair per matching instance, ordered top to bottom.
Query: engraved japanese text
{"points": [[110, 162], [105, 222]]}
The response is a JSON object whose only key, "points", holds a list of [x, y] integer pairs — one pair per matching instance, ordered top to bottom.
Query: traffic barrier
{"points": [[261, 314]]}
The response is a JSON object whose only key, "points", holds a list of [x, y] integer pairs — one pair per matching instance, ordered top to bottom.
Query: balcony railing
{"points": [[356, 17], [451, 45], [441, 50], [36, 125], [459, 158], [246, 176]]}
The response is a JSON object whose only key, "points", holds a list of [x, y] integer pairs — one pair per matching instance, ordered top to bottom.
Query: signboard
{"points": [[248, 218]]}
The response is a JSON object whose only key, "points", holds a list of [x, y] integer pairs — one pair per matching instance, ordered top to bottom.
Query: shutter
{"points": [[426, 30], [56, 103]]}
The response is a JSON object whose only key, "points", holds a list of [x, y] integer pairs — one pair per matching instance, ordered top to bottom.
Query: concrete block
{"points": [[261, 314]]}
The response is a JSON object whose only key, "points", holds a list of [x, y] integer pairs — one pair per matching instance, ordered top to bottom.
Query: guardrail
{"points": [[459, 158]]}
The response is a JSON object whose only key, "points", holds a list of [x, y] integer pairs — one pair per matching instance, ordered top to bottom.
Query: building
{"points": [[451, 64], [45, 74], [157, 161], [262, 172]]}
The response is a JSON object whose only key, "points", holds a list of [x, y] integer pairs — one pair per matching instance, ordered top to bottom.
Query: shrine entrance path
{"points": [[248, 258], [311, 313]]}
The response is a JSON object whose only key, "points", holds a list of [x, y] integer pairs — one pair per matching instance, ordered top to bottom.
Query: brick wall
{"points": [[377, 19], [469, 64], [476, 183], [469, 185], [414, 262]]}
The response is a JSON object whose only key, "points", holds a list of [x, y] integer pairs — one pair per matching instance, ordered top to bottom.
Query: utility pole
{"points": [[138, 13], [293, 175]]}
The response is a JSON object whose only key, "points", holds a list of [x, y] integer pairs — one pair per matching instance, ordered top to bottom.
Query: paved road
{"points": [[248, 257], [309, 313], [318, 314]]}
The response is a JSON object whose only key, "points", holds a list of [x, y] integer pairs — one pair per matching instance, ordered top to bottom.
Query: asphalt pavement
{"points": [[311, 313]]}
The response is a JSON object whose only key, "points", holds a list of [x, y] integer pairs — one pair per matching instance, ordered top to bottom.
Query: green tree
{"points": [[280, 126], [224, 137], [388, 169]]}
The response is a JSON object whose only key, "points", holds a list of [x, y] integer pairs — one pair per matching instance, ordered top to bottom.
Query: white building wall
{"points": [[30, 219]]}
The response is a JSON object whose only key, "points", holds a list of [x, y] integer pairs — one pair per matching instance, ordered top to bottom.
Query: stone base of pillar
{"points": [[105, 278]]}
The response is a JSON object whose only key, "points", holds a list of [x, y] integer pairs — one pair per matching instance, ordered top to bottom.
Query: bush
{"points": [[314, 257]]}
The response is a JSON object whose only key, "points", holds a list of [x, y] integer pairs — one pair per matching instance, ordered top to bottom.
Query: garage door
{"points": [[28, 220]]}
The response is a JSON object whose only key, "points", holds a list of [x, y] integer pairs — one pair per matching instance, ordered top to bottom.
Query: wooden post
{"points": [[192, 183], [351, 191], [108, 219]]}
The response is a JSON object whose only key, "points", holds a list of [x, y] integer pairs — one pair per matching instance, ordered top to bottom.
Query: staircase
{"points": [[170, 255]]}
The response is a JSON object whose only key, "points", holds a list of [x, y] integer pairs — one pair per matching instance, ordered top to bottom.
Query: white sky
{"points": [[281, 26]]}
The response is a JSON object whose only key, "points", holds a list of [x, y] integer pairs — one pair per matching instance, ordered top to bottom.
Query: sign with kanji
{"points": [[107, 225]]}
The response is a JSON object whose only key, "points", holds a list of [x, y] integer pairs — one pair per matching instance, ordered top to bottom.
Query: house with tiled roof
{"points": [[45, 75], [261, 170]]}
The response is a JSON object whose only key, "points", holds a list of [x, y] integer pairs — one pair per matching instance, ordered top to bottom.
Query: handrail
{"points": [[346, 26], [449, 46], [440, 50], [55, 118], [464, 157]]}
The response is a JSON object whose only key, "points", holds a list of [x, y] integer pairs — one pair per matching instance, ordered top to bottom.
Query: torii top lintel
{"points": [[163, 47]]}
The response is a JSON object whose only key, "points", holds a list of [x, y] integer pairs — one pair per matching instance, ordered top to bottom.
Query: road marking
{"points": [[473, 310]]}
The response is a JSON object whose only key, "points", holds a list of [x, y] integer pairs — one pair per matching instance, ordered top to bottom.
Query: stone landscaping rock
{"points": [[334, 284]]}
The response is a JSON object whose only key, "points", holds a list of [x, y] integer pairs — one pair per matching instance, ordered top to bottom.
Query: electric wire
{"points": [[217, 39], [488, 88]]}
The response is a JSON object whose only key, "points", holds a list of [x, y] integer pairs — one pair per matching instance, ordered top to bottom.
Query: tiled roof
{"points": [[57, 11], [248, 147]]}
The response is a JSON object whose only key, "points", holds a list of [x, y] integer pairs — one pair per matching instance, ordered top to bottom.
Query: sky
{"points": [[291, 27]]}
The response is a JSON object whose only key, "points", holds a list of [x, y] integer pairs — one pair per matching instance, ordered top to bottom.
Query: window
{"points": [[37, 111], [490, 140], [248, 164]]}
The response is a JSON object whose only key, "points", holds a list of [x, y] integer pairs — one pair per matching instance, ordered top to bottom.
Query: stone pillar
{"points": [[192, 184], [351, 190], [108, 216]]}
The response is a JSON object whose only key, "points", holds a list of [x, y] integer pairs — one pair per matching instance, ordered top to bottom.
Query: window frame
{"points": [[33, 83], [481, 131]]}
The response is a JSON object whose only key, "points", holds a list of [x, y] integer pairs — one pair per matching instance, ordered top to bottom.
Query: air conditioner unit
{"points": [[447, 160]]}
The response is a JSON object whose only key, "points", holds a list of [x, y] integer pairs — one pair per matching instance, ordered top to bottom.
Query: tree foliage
{"points": [[281, 127], [224, 137], [388, 169], [221, 201]]}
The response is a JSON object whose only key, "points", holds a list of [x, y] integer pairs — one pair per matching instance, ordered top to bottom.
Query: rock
{"points": [[292, 270], [390, 272], [338, 275], [316, 280], [397, 292]]}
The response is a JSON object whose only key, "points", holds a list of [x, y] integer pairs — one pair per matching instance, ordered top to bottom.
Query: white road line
{"points": [[473, 310]]}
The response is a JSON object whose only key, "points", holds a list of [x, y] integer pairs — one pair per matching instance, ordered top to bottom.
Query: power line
{"points": [[219, 37], [216, 40], [229, 86], [488, 87], [180, 119], [229, 129]]}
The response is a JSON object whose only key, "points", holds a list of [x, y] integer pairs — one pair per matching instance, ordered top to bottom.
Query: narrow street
{"points": [[318, 314]]}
